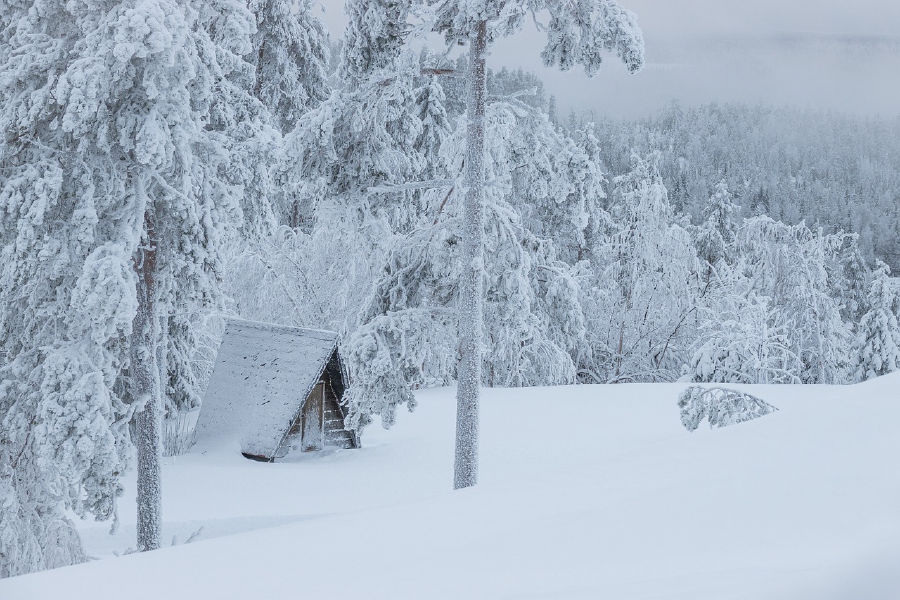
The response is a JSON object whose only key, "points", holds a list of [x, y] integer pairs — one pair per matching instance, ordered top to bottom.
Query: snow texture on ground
{"points": [[584, 492]]}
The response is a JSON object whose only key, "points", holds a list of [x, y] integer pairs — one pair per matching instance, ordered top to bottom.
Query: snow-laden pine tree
{"points": [[576, 34], [373, 39], [291, 54], [290, 57], [552, 112], [436, 126], [340, 166], [112, 208], [715, 236], [849, 278], [878, 335]]}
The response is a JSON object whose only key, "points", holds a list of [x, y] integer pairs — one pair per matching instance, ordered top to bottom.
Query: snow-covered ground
{"points": [[585, 492]]}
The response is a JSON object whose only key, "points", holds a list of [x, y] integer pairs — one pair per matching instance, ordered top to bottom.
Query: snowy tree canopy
{"points": [[578, 33], [374, 37], [291, 53], [104, 109], [789, 163], [533, 320]]}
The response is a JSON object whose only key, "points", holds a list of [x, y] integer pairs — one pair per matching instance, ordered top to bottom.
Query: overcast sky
{"points": [[824, 54]]}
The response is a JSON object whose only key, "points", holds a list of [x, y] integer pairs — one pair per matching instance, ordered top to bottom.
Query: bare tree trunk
{"points": [[162, 366], [146, 382], [465, 468]]}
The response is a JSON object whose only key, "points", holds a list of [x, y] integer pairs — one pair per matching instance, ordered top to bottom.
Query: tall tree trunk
{"points": [[162, 364], [146, 381], [465, 468]]}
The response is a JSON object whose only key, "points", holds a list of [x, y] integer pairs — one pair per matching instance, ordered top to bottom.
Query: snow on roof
{"points": [[262, 375]]}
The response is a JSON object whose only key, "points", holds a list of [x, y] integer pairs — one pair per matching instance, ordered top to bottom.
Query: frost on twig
{"points": [[722, 406]]}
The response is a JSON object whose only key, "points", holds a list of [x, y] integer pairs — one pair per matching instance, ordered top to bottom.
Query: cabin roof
{"points": [[261, 377]]}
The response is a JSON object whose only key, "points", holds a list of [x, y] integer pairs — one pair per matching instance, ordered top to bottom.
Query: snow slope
{"points": [[585, 492]]}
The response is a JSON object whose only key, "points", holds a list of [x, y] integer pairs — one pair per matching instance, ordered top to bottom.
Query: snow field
{"points": [[584, 492]]}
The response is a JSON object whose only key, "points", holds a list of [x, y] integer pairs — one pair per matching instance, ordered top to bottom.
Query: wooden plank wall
{"points": [[335, 434]]}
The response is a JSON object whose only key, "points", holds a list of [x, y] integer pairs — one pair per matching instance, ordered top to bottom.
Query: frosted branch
{"points": [[722, 406]]}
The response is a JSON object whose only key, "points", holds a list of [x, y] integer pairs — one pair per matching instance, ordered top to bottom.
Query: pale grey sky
{"points": [[677, 18], [825, 54]]}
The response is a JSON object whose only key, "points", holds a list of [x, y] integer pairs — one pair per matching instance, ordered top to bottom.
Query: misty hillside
{"points": [[834, 170]]}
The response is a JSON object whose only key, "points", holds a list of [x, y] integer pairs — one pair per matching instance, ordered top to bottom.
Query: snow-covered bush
{"points": [[789, 264], [643, 286], [742, 338], [722, 406]]}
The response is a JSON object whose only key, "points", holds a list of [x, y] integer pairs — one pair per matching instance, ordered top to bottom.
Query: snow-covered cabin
{"points": [[275, 389]]}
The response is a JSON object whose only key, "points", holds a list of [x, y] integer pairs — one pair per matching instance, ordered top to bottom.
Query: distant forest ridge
{"points": [[833, 170]]}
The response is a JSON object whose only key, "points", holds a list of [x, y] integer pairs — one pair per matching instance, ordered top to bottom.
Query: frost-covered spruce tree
{"points": [[576, 34], [373, 39], [291, 54], [436, 127], [342, 155], [112, 206], [715, 236], [849, 279], [533, 322], [878, 335]]}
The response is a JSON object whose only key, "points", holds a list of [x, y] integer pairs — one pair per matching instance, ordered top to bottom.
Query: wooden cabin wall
{"points": [[313, 418], [335, 434]]}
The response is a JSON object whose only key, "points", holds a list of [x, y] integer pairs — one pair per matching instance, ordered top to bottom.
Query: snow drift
{"points": [[585, 492]]}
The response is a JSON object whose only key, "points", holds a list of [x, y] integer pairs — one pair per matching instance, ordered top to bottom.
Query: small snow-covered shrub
{"points": [[722, 406], [178, 431]]}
